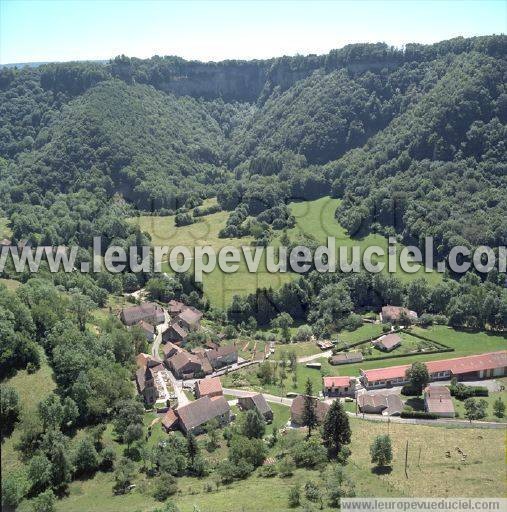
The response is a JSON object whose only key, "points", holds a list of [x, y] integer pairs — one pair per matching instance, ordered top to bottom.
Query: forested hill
{"points": [[412, 139]]}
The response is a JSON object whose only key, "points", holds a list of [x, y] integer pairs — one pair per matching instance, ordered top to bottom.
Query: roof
{"points": [[5, 241], [175, 306], [395, 312], [134, 314], [190, 315], [145, 326], [178, 329], [388, 341], [324, 344], [170, 348], [346, 357], [142, 359], [181, 359], [206, 365], [457, 365], [142, 375], [337, 382], [209, 386], [438, 400], [260, 403], [389, 403], [298, 405], [201, 411], [170, 419]]}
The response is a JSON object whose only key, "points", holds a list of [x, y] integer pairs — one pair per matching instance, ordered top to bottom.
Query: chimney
{"points": [[440, 397]]}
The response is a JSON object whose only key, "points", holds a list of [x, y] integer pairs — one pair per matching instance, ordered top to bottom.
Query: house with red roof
{"points": [[475, 367], [339, 386], [208, 387], [437, 400]]}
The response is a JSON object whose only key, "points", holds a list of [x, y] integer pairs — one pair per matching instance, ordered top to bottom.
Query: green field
{"points": [[314, 219], [5, 231], [464, 343], [31, 388], [430, 473]]}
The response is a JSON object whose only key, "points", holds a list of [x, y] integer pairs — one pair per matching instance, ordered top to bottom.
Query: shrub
{"points": [[183, 219], [304, 333], [409, 390], [462, 392], [418, 414], [309, 454], [286, 467], [268, 471], [165, 486], [312, 491], [294, 496]]}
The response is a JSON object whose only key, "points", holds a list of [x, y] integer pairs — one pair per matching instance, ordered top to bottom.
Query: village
{"points": [[183, 383]]}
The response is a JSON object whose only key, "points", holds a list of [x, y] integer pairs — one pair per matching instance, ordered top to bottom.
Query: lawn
{"points": [[314, 219], [5, 231], [11, 284], [409, 345], [31, 388], [430, 473]]}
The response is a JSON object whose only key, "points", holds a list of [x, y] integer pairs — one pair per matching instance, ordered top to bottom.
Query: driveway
{"points": [[158, 337], [306, 359], [269, 398]]}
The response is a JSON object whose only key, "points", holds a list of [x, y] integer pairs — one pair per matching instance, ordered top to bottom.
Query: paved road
{"points": [[158, 337], [306, 359], [178, 390], [269, 398], [443, 422]]}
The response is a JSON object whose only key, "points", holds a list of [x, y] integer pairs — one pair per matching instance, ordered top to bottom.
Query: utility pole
{"points": [[406, 459], [419, 459]]}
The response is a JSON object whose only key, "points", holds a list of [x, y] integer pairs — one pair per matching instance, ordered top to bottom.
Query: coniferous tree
{"points": [[309, 410], [336, 429]]}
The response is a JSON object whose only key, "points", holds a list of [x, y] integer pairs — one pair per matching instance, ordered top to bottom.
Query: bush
{"points": [[183, 219], [304, 333], [409, 390], [462, 392], [418, 414], [309, 454], [286, 467], [268, 471], [165, 486], [312, 492], [294, 496]]}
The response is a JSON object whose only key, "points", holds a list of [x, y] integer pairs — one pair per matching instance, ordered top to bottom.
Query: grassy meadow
{"points": [[314, 219], [430, 473]]}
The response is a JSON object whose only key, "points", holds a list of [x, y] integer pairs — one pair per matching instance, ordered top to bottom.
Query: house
{"points": [[5, 242], [175, 307], [149, 312], [397, 314], [190, 318], [148, 330], [175, 333], [388, 342], [170, 349], [222, 356], [346, 357], [143, 360], [184, 365], [480, 366], [145, 380], [339, 386], [208, 387], [437, 400], [256, 402], [388, 404], [298, 406], [194, 416], [170, 420]]}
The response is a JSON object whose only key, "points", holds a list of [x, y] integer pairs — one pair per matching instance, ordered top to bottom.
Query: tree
{"points": [[81, 305], [283, 321], [418, 376], [309, 408], [499, 408], [9, 409], [475, 409], [51, 411], [127, 412], [254, 425], [336, 429], [133, 433], [192, 447], [252, 451], [381, 451], [86, 459], [39, 473], [123, 475], [337, 485], [165, 486], [14, 488], [294, 496], [44, 502]]}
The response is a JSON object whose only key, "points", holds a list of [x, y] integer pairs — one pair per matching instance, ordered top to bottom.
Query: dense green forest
{"points": [[412, 140]]}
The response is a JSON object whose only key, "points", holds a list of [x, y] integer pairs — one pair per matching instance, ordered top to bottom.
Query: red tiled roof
{"points": [[456, 365], [337, 382], [209, 386], [438, 400], [170, 419]]}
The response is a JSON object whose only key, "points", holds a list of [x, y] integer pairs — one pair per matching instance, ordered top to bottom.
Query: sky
{"points": [[62, 30]]}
